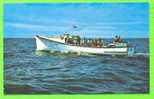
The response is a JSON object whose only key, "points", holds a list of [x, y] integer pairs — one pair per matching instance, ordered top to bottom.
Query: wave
{"points": [[142, 54]]}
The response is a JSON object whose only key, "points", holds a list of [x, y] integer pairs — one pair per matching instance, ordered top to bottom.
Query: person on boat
{"points": [[66, 37], [76, 39], [118, 39], [82, 42], [89, 42], [99, 42], [94, 43]]}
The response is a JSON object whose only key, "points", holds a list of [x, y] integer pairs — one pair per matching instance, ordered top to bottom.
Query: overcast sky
{"points": [[87, 20]]}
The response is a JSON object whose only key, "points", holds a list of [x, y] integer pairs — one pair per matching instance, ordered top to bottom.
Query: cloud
{"points": [[131, 22], [37, 27], [60, 28], [106, 29]]}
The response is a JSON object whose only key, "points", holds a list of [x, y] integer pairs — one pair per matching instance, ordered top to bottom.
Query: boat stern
{"points": [[131, 51]]}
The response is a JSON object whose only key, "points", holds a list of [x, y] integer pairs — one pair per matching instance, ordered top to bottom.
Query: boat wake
{"points": [[46, 53], [141, 54]]}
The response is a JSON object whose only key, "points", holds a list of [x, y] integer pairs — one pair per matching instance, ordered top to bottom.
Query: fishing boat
{"points": [[75, 44]]}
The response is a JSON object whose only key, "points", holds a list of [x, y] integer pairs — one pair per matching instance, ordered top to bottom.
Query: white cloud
{"points": [[37, 27], [59, 28]]}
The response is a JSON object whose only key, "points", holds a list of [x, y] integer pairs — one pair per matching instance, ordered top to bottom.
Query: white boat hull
{"points": [[47, 44]]}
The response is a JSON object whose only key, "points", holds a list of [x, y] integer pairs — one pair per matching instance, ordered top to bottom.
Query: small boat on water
{"points": [[71, 43]]}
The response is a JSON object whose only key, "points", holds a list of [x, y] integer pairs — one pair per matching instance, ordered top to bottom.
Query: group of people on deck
{"points": [[76, 40], [97, 42]]}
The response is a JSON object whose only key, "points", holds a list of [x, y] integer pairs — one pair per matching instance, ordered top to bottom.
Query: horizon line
{"points": [[81, 37]]}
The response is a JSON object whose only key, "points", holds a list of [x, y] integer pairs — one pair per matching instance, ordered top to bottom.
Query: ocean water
{"points": [[29, 72]]}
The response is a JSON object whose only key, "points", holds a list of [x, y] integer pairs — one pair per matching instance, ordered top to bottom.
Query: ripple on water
{"points": [[29, 72]]}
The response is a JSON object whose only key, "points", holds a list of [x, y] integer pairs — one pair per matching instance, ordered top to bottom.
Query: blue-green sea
{"points": [[29, 72]]}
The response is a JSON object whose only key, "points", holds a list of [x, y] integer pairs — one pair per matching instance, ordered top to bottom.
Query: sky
{"points": [[129, 20]]}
